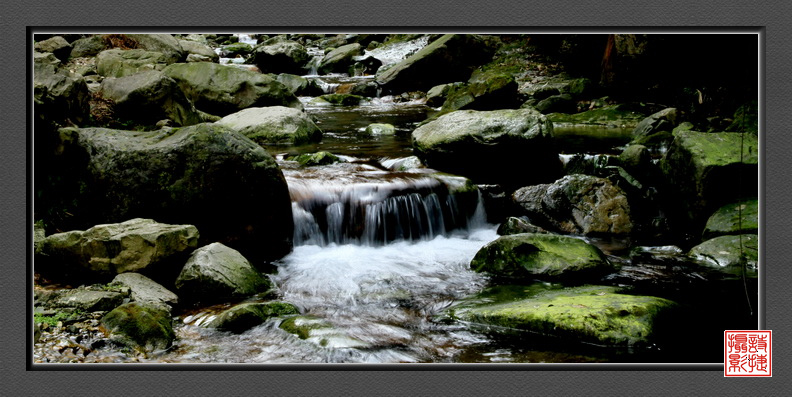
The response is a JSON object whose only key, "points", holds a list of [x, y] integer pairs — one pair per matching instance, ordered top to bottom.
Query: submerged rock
{"points": [[222, 90], [274, 124], [481, 145], [709, 170], [206, 175], [580, 204], [736, 218], [134, 245], [532, 255], [216, 272], [595, 314], [245, 316], [143, 326], [321, 332]]}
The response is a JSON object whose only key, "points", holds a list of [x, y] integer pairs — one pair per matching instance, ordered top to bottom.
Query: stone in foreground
{"points": [[216, 272], [594, 314], [245, 316], [143, 326]]}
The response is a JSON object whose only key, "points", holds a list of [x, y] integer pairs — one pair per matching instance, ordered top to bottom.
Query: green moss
{"points": [[342, 99], [616, 115], [718, 149], [314, 159], [735, 218], [596, 314], [248, 315], [54, 319], [303, 325], [141, 326]]}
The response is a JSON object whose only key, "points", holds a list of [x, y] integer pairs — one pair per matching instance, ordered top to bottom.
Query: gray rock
{"points": [[164, 43], [56, 45], [88, 46], [196, 48], [280, 56], [340, 59], [120, 63], [148, 97], [664, 120], [274, 124], [380, 129], [518, 225], [134, 245], [216, 272], [144, 289], [81, 299], [245, 316]]}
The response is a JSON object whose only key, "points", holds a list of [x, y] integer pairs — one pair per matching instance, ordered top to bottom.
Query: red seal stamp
{"points": [[747, 353]]}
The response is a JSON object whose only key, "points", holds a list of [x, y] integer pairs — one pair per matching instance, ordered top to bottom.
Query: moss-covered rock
{"points": [[164, 43], [56, 45], [87, 46], [196, 48], [236, 49], [280, 56], [449, 58], [340, 59], [119, 63], [299, 85], [222, 90], [485, 90], [437, 95], [148, 97], [342, 99], [613, 116], [663, 120], [274, 124], [380, 129], [480, 145], [314, 159], [709, 170], [206, 175], [580, 204], [736, 218], [517, 226], [134, 245], [730, 253], [548, 256], [216, 272], [594, 314], [245, 316], [143, 326], [321, 332]]}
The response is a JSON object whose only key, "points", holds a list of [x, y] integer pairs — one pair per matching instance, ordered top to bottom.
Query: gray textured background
{"points": [[459, 15]]}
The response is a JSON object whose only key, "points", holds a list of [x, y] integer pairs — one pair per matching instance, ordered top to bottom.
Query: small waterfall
{"points": [[376, 214]]}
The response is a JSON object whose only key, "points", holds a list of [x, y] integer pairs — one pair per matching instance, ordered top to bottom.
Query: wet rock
{"points": [[164, 43], [56, 45], [196, 48], [236, 49], [280, 56], [449, 58], [340, 59], [120, 63], [365, 66], [299, 85], [222, 90], [488, 90], [437, 95], [148, 97], [341, 99], [613, 116], [664, 120], [274, 124], [380, 129], [498, 140], [314, 159], [636, 159], [403, 163], [703, 170], [206, 175], [497, 203], [580, 204], [736, 218], [517, 226], [134, 245], [730, 253], [660, 255], [547, 256], [216, 272], [144, 289], [84, 299], [594, 314], [245, 316], [143, 326], [321, 332]]}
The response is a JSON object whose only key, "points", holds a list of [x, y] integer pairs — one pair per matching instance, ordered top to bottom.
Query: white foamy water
{"points": [[390, 54]]}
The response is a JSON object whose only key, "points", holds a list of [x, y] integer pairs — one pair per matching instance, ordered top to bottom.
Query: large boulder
{"points": [[164, 43], [56, 45], [88, 46], [280, 56], [450, 58], [340, 59], [120, 63], [299, 85], [222, 90], [485, 91], [58, 95], [148, 97], [664, 120], [274, 124], [488, 146], [708, 170], [207, 175], [578, 204], [735, 218], [134, 245], [737, 255], [547, 256], [216, 272], [144, 289], [593, 314], [245, 316], [143, 326]]}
